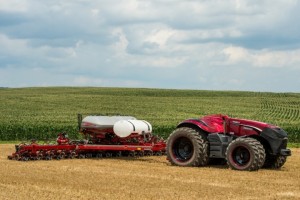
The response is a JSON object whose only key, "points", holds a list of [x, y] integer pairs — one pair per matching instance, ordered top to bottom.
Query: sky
{"points": [[250, 45]]}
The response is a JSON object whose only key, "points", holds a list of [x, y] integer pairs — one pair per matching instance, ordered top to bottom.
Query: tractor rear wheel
{"points": [[187, 147], [245, 154], [274, 162]]}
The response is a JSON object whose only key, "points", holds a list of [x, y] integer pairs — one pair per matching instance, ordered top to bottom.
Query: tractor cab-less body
{"points": [[245, 144]]}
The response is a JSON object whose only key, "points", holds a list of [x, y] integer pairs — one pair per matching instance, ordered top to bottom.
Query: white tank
{"points": [[102, 122], [124, 128]]}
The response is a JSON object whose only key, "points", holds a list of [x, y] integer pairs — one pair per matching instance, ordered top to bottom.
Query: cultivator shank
{"points": [[106, 136], [35, 151]]}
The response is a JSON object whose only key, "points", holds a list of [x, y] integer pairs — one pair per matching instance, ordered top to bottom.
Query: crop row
{"points": [[282, 109], [41, 113], [23, 133], [44, 133]]}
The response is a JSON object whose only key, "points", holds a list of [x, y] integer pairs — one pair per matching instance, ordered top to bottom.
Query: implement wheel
{"points": [[187, 147], [245, 154]]}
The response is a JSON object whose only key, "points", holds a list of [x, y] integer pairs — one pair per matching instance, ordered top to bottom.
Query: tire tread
{"points": [[256, 146], [201, 157]]}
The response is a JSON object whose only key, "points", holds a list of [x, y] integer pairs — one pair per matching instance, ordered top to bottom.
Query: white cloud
{"points": [[14, 5], [160, 37], [121, 43], [176, 44], [13, 46], [263, 58], [288, 59], [85, 81], [88, 81]]}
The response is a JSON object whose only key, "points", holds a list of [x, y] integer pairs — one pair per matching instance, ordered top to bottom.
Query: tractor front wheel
{"points": [[187, 147], [245, 154], [274, 162]]}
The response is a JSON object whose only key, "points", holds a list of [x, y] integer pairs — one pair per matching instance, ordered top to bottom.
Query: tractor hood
{"points": [[210, 123], [215, 123]]}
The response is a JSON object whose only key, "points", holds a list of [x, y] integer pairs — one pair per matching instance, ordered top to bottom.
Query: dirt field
{"points": [[142, 178]]}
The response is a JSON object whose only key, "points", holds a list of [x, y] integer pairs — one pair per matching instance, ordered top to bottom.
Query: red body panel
{"points": [[217, 124]]}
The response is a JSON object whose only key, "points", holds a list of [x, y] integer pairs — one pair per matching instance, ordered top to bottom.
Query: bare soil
{"points": [[142, 178]]}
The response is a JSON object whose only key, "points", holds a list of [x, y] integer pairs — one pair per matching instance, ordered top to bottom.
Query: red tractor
{"points": [[245, 144]]}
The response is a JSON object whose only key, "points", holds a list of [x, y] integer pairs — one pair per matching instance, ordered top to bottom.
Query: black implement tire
{"points": [[187, 147], [245, 154], [274, 162]]}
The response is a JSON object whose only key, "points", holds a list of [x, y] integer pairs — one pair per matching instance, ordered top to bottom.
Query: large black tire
{"points": [[187, 147], [245, 154], [274, 162]]}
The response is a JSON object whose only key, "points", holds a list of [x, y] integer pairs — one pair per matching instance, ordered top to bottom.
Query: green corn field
{"points": [[40, 113]]}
